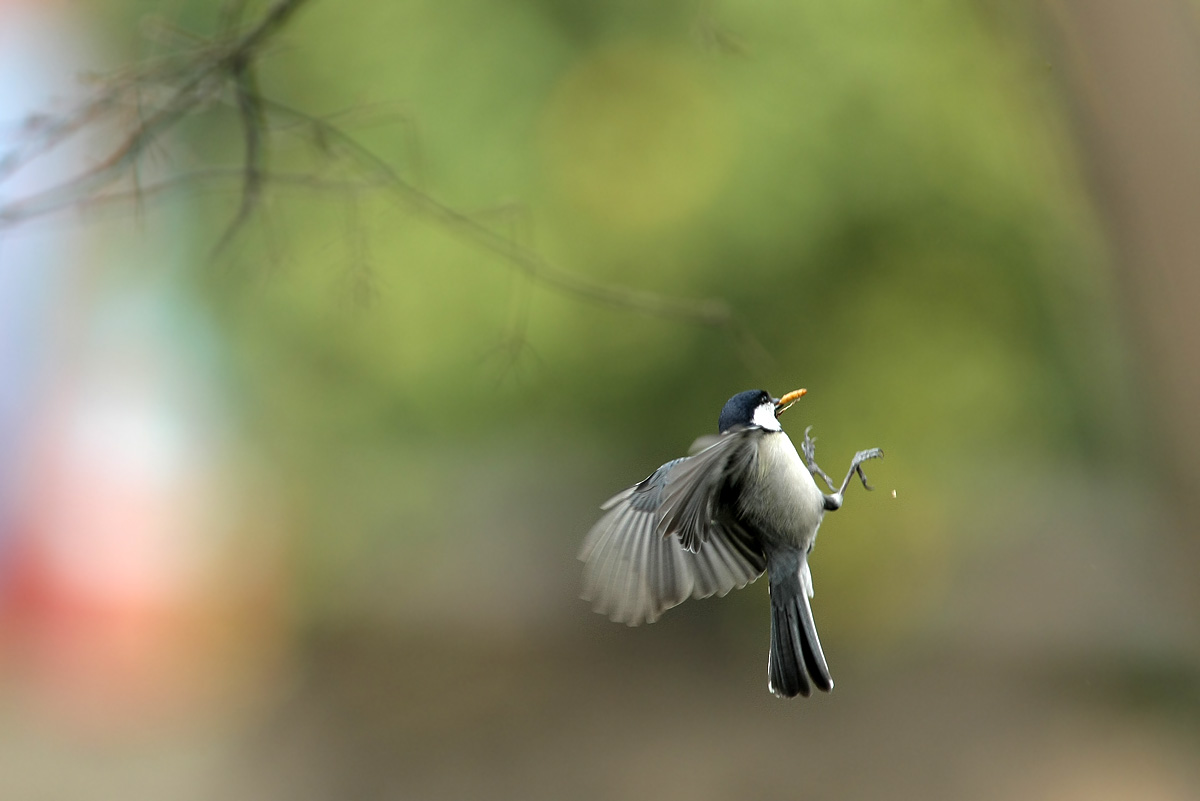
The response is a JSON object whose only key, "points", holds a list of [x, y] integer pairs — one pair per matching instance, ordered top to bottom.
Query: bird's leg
{"points": [[809, 449], [834, 501]]}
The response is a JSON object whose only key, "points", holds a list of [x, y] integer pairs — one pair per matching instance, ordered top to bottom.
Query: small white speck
{"points": [[893, 493]]}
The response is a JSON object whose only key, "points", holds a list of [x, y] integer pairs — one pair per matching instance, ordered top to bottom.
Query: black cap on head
{"points": [[739, 410]]}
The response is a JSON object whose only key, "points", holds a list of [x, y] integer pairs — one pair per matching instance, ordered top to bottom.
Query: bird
{"points": [[744, 502]]}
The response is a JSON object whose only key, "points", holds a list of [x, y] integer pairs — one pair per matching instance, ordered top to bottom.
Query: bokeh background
{"points": [[298, 519]]}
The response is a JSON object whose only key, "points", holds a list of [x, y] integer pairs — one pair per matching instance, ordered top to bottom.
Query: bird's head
{"points": [[756, 407]]}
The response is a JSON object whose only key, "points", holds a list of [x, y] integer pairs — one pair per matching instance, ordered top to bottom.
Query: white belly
{"points": [[783, 503]]}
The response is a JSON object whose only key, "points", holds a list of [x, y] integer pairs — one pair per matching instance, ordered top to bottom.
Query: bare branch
{"points": [[222, 72], [201, 83], [250, 109], [705, 312]]}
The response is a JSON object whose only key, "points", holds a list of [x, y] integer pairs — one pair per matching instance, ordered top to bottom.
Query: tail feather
{"points": [[797, 663], [787, 676]]}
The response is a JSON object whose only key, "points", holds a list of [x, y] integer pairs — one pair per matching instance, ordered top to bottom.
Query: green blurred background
{"points": [[918, 212]]}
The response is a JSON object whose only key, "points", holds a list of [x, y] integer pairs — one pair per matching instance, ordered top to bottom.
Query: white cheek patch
{"points": [[764, 417]]}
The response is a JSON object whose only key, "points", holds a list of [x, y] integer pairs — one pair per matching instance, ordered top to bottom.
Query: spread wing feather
{"points": [[668, 538]]}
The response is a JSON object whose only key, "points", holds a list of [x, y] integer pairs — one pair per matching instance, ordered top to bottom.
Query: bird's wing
{"points": [[692, 493], [636, 566]]}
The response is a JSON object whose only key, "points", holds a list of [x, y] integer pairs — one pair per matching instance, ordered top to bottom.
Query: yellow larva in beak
{"points": [[787, 400]]}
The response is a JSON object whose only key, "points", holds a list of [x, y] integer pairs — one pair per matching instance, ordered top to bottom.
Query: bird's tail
{"points": [[796, 663]]}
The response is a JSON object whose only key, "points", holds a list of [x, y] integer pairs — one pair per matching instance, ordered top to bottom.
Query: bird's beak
{"points": [[787, 400]]}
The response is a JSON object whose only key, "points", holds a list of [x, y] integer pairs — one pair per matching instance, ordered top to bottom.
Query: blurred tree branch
{"points": [[221, 72], [194, 83]]}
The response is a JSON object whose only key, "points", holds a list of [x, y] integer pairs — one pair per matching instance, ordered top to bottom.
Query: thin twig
{"points": [[223, 70], [204, 83], [250, 110], [705, 312]]}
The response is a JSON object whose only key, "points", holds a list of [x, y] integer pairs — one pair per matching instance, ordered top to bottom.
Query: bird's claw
{"points": [[809, 447], [809, 450], [870, 453], [859, 458], [863, 477]]}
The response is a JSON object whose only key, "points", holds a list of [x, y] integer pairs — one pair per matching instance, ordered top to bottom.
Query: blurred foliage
{"points": [[885, 194]]}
